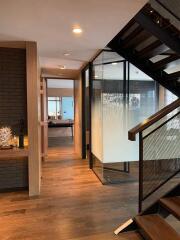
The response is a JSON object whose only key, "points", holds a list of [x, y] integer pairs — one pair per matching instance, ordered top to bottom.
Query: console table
{"points": [[13, 153], [13, 169]]}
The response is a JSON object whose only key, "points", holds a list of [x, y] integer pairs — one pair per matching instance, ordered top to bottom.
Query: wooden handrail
{"points": [[154, 118]]}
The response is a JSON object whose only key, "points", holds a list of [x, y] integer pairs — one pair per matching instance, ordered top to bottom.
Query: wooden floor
{"points": [[73, 204]]}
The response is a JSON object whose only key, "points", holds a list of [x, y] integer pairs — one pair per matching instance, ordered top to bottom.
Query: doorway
{"points": [[60, 113]]}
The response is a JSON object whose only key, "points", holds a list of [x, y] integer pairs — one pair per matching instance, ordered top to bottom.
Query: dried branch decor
{"points": [[5, 136]]}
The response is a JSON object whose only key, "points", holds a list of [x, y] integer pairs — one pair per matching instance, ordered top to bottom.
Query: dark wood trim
{"points": [[167, 9], [128, 25], [161, 33], [132, 35], [132, 43], [108, 50], [152, 50], [166, 62], [146, 67], [83, 75], [173, 76], [128, 78], [124, 80], [90, 114], [154, 118], [140, 171]]}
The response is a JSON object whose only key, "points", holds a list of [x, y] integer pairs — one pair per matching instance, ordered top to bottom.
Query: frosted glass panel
{"points": [[119, 104], [96, 110], [97, 121], [116, 146]]}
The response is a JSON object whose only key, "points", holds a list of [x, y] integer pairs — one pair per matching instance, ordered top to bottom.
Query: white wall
{"points": [[60, 92]]}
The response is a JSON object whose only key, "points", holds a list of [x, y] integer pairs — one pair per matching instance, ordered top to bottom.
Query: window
{"points": [[54, 108], [60, 108], [67, 108]]}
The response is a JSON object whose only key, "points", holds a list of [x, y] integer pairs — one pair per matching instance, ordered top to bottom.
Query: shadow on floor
{"points": [[60, 141]]}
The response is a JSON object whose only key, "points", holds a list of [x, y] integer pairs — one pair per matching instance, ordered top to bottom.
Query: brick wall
{"points": [[13, 105]]}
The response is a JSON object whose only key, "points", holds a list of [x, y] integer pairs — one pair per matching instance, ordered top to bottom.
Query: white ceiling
{"points": [[50, 22], [115, 72], [60, 83]]}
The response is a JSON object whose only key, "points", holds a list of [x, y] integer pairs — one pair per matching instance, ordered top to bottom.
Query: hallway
{"points": [[73, 204]]}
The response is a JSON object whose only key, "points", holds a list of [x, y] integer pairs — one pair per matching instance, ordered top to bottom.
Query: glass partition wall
{"points": [[122, 97], [107, 112]]}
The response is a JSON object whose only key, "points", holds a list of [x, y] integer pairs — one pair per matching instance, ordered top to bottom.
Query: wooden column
{"points": [[33, 108], [78, 116], [44, 122]]}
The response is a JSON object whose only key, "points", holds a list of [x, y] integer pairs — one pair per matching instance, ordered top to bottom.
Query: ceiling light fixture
{"points": [[77, 30], [67, 54], [114, 63], [62, 67]]}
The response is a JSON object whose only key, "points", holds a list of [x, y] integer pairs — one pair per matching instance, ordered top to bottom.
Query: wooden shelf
{"points": [[13, 153]]}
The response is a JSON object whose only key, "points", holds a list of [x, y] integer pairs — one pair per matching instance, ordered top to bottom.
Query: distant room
{"points": [[60, 109]]}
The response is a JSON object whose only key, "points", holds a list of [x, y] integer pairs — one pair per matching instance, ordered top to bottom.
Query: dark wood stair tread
{"points": [[138, 39], [152, 50], [165, 63], [173, 76], [172, 204], [154, 227], [111, 236], [130, 236]]}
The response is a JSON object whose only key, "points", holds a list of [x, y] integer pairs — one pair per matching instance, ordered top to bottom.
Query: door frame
{"points": [[88, 67], [44, 113]]}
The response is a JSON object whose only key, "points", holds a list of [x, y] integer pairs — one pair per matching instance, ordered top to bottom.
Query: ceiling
{"points": [[50, 23], [106, 67], [115, 72], [60, 83]]}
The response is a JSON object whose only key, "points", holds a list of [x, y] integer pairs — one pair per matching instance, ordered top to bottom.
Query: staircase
{"points": [[151, 43], [151, 224]]}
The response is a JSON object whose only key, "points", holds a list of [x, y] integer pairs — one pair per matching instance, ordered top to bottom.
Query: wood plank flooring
{"points": [[73, 204]]}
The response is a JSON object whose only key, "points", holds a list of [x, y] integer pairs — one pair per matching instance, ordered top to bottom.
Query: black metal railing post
{"points": [[140, 171]]}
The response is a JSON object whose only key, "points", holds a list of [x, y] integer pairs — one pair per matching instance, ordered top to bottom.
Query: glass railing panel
{"points": [[161, 155]]}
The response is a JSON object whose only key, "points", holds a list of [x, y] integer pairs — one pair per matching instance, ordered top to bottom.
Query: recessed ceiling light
{"points": [[77, 30], [67, 54], [114, 63], [62, 66], [96, 76]]}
